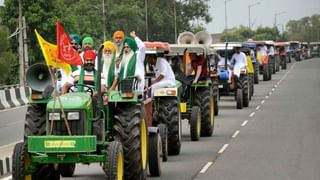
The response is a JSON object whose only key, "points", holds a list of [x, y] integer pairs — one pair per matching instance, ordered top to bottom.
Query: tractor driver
{"points": [[238, 62], [89, 73], [164, 74]]}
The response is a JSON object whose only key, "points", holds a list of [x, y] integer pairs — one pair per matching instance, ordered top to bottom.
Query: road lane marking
{"points": [[276, 85], [272, 89], [270, 93], [267, 97], [262, 102], [258, 107], [252, 114], [244, 123], [235, 134], [224, 147], [205, 168]]}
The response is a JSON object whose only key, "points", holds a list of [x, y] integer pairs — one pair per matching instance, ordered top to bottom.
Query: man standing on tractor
{"points": [[118, 37], [132, 59], [238, 62], [109, 69], [164, 74], [86, 75]]}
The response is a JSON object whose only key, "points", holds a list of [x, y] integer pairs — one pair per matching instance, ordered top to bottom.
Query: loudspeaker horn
{"points": [[203, 37], [186, 38], [38, 77]]}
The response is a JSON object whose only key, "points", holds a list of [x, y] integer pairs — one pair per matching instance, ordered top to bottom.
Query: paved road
{"points": [[277, 137]]}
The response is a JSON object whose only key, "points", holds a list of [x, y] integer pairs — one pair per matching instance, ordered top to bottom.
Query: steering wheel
{"points": [[87, 88]]}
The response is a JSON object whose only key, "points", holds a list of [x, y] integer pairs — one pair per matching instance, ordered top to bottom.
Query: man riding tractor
{"points": [[281, 53], [233, 73], [197, 104]]}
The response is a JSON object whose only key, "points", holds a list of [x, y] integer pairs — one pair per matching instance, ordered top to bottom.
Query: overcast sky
{"points": [[262, 14]]}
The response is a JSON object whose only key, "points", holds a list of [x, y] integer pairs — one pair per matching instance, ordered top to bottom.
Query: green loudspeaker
{"points": [[38, 77]]}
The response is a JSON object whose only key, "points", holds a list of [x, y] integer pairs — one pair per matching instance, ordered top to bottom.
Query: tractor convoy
{"points": [[129, 131]]}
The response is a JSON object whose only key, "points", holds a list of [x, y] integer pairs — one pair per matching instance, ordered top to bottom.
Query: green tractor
{"points": [[196, 100], [81, 128]]}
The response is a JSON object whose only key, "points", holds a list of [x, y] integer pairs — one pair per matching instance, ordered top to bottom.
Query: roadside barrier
{"points": [[14, 97], [5, 167]]}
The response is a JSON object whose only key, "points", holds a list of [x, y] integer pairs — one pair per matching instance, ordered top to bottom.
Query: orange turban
{"points": [[117, 34], [109, 45]]}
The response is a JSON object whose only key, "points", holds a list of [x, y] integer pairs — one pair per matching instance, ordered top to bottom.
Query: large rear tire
{"points": [[283, 63], [265, 72], [256, 74], [215, 92], [204, 100], [169, 113], [195, 123], [130, 129], [113, 168]]}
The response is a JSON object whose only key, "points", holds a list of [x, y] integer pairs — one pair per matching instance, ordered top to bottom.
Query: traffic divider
{"points": [[14, 97]]}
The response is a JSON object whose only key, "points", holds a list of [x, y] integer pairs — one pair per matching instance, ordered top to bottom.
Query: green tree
{"points": [[304, 29], [7, 59]]}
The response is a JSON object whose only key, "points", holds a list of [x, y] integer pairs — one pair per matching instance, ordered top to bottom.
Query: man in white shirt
{"points": [[238, 61], [163, 71]]}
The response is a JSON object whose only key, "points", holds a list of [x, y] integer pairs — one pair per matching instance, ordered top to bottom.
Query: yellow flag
{"points": [[49, 52]]}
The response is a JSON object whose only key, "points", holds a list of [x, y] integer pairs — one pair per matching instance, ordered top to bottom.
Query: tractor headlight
{"points": [[54, 116], [73, 116]]}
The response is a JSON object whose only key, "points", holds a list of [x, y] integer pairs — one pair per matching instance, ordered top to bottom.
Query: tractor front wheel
{"points": [[195, 123], [155, 152], [113, 168], [67, 170]]}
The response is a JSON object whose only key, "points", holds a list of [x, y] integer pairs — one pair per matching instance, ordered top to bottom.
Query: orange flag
{"points": [[65, 51], [49, 52]]}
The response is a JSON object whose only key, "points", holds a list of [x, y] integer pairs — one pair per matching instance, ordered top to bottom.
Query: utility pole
{"points": [[146, 7], [249, 12], [275, 17], [225, 18], [175, 20], [104, 21], [25, 45], [21, 60]]}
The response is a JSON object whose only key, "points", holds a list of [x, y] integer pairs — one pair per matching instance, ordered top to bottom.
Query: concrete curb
{"points": [[14, 97], [5, 166]]}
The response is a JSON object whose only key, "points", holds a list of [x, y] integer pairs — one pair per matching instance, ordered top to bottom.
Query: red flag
{"points": [[65, 51]]}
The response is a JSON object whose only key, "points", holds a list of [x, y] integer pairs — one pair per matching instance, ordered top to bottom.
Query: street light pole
{"points": [[146, 6], [249, 12], [225, 14], [275, 17], [175, 20], [104, 21]]}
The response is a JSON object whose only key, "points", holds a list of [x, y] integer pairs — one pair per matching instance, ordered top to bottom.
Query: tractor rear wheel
{"points": [[283, 63], [265, 72], [256, 73], [215, 93], [204, 100], [169, 113], [195, 123], [131, 130], [113, 168]]}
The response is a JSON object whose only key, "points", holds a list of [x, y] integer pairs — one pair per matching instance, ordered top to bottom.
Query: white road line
{"points": [[276, 85], [272, 89], [270, 93], [267, 97], [262, 102], [258, 107], [252, 114], [244, 123], [235, 134], [224, 147], [205, 168], [7, 178]]}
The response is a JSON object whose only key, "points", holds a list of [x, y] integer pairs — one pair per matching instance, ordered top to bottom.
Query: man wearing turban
{"points": [[118, 37], [132, 59], [109, 69], [85, 75]]}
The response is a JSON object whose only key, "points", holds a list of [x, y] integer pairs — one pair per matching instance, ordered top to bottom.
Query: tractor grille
{"points": [[127, 85], [76, 126]]}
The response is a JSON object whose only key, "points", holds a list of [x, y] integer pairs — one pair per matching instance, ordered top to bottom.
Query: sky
{"points": [[261, 15]]}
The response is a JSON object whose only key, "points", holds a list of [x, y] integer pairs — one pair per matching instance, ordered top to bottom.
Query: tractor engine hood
{"points": [[71, 101]]}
